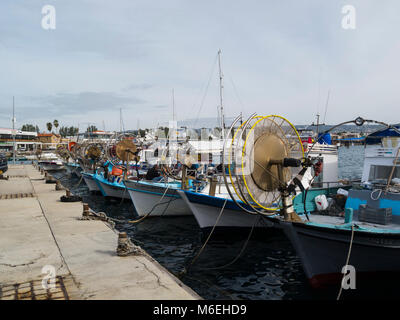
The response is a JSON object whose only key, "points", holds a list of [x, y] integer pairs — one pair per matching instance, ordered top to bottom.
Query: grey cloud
{"points": [[142, 86], [77, 104]]}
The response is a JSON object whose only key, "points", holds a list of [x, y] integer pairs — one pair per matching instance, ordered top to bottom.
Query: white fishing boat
{"points": [[90, 182], [111, 187], [157, 198]]}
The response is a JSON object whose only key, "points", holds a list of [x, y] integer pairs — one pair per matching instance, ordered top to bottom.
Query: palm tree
{"points": [[55, 123], [49, 126]]}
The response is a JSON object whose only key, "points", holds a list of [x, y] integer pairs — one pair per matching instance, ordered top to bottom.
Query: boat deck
{"points": [[338, 222]]}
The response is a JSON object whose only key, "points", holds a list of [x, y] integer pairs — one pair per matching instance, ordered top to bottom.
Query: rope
{"points": [[206, 90], [392, 171], [79, 182], [379, 195], [123, 197], [151, 211], [162, 214], [208, 238], [241, 250], [347, 260]]}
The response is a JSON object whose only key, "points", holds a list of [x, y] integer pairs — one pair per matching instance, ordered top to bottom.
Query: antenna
{"points": [[221, 86], [318, 97], [173, 105], [326, 105], [121, 121], [13, 122]]}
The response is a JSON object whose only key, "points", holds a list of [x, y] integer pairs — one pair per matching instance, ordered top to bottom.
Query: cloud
{"points": [[130, 54], [142, 86], [78, 106], [160, 106]]}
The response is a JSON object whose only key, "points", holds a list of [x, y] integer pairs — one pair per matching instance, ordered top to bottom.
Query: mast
{"points": [[221, 86], [173, 105], [120, 119], [13, 122]]}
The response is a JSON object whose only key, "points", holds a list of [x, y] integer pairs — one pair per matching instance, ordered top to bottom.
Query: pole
{"points": [[220, 93], [173, 105], [13, 121]]}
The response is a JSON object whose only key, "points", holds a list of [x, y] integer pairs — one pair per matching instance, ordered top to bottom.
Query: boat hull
{"points": [[48, 166], [73, 169], [90, 182], [111, 190], [155, 199], [207, 209], [323, 252]]}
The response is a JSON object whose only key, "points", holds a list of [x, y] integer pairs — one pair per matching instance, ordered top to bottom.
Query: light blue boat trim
{"points": [[156, 193], [347, 227]]}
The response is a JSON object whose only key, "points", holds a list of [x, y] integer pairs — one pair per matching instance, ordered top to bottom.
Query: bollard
{"points": [[49, 178], [59, 186], [85, 209], [348, 215], [126, 247]]}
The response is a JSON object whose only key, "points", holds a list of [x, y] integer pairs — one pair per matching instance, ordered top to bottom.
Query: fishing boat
{"points": [[51, 165], [73, 168], [90, 181], [111, 186], [157, 198], [220, 211], [236, 213], [368, 236]]}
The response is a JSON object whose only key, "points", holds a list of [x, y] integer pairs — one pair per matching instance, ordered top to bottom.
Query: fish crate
{"points": [[374, 215]]}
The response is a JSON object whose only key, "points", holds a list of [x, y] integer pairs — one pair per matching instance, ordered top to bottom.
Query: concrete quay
{"points": [[42, 237]]}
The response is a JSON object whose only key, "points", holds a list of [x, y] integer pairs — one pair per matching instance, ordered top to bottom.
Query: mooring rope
{"points": [[208, 238], [241, 250], [347, 261]]}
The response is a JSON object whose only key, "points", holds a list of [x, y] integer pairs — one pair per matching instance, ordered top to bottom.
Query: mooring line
{"points": [[208, 238], [347, 261]]}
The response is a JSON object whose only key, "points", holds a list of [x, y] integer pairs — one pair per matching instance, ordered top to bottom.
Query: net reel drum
{"points": [[264, 153]]}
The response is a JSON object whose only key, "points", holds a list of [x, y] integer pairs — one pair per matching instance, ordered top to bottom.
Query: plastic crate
{"points": [[374, 215]]}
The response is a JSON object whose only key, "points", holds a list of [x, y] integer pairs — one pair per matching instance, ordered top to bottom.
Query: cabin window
{"points": [[383, 172]]}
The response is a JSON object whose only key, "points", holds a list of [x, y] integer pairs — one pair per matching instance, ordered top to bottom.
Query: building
{"points": [[46, 138], [24, 140]]}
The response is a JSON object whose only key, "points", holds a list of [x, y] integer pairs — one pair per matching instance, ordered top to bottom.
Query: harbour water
{"points": [[268, 267]]}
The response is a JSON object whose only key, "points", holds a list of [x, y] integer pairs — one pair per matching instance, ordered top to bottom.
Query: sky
{"points": [[278, 57]]}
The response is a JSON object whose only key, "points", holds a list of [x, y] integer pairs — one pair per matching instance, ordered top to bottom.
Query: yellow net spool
{"points": [[259, 141], [126, 150]]}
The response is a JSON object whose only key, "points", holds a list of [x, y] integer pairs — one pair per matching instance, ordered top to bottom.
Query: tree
{"points": [[56, 124], [49, 126], [29, 127], [91, 129], [63, 131], [68, 131], [73, 131], [142, 133]]}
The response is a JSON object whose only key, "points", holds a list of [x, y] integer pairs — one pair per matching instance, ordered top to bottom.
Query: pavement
{"points": [[42, 237]]}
